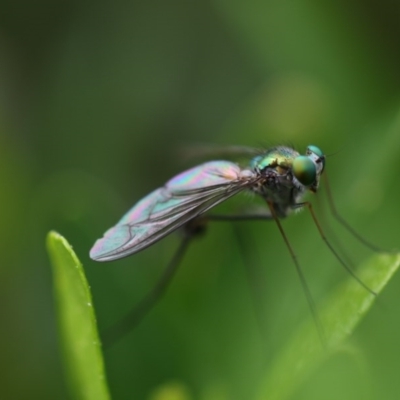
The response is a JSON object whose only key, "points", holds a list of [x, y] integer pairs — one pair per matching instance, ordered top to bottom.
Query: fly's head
{"points": [[307, 169]]}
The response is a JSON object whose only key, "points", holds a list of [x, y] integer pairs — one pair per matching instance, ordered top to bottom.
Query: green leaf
{"points": [[341, 313], [77, 323]]}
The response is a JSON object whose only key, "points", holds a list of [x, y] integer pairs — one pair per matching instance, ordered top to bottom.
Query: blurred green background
{"points": [[98, 101]]}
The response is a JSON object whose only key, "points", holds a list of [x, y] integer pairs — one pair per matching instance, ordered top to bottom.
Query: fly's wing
{"points": [[183, 198]]}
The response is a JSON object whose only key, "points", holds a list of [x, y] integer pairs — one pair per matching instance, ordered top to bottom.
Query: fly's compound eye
{"points": [[316, 150], [320, 157], [304, 170]]}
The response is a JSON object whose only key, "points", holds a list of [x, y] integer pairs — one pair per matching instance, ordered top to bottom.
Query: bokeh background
{"points": [[101, 102]]}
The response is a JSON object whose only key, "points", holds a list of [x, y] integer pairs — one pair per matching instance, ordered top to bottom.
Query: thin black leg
{"points": [[238, 217], [344, 223], [332, 237], [332, 249], [255, 281], [303, 281], [136, 315]]}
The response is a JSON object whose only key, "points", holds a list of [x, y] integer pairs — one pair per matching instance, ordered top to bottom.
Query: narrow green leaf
{"points": [[340, 314], [77, 324]]}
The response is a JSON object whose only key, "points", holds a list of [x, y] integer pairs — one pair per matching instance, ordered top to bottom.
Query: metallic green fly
{"points": [[280, 175]]}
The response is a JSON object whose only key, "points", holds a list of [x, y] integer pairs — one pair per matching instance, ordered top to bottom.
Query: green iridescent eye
{"points": [[316, 150], [304, 170]]}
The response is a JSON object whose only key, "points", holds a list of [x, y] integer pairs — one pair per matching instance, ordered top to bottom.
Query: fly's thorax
{"points": [[279, 158], [275, 166], [277, 185], [280, 189]]}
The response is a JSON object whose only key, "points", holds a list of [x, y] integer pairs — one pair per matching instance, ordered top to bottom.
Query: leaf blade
{"points": [[340, 314], [77, 323]]}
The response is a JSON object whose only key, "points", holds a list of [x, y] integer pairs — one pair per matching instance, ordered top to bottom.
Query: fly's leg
{"points": [[272, 216], [239, 217], [344, 223], [332, 237], [331, 248], [253, 274], [302, 278], [255, 279], [137, 314], [133, 318]]}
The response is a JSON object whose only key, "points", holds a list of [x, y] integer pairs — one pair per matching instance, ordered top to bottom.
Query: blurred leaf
{"points": [[341, 313], [77, 323], [171, 391]]}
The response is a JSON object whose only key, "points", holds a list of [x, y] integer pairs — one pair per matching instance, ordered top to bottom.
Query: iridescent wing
{"points": [[181, 199]]}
